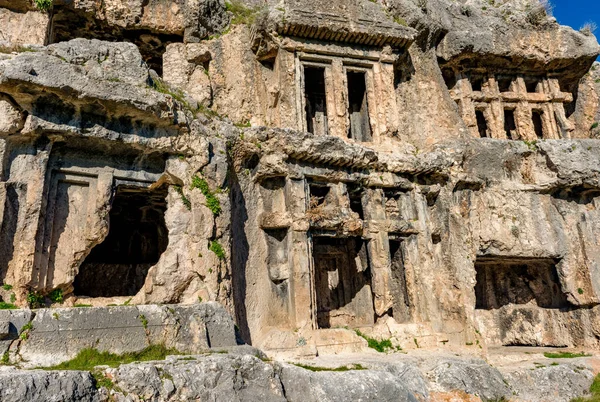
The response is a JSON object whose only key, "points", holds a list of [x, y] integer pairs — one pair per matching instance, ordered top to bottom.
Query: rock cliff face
{"points": [[423, 171]]}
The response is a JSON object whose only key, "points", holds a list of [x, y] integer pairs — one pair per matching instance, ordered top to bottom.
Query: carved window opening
{"points": [[476, 83], [504, 84], [531, 84], [315, 100], [358, 109], [510, 125], [538, 125], [482, 126], [318, 193], [355, 194], [136, 239], [502, 281], [342, 282], [401, 307]]}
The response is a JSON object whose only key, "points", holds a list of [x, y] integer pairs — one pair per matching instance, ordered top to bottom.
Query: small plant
{"points": [[43, 5], [588, 28], [595, 125], [186, 201], [212, 202], [216, 248], [7, 287], [580, 291], [56, 296], [13, 298], [35, 300], [128, 301], [82, 305], [7, 306], [144, 321], [24, 335], [379, 345], [565, 355], [5, 358], [102, 381]]}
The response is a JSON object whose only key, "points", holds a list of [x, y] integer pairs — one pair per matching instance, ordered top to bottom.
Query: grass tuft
{"points": [[212, 202], [216, 248], [7, 306], [379, 345], [564, 355], [89, 358]]}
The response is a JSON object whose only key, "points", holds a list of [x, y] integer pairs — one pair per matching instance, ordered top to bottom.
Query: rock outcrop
{"points": [[424, 174]]}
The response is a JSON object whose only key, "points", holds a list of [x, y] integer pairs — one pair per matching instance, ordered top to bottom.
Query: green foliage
{"points": [[43, 5], [242, 14], [595, 125], [531, 144], [186, 201], [212, 202], [216, 248], [7, 287], [580, 291], [56, 296], [13, 298], [35, 300], [82, 305], [7, 306], [144, 321], [24, 335], [379, 345], [564, 355], [5, 358], [89, 358], [342, 368], [102, 381], [594, 391]]}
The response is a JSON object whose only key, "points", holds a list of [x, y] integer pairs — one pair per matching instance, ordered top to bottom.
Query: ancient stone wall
{"points": [[421, 171]]}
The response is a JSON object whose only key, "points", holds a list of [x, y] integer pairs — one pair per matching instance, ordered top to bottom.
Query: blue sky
{"points": [[577, 12]]}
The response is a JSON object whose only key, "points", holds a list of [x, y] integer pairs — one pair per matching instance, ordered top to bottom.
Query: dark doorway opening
{"points": [[449, 78], [504, 84], [531, 85], [316, 100], [358, 110], [481, 124], [510, 125], [538, 125], [318, 193], [355, 194], [136, 239], [502, 281], [342, 282], [401, 309]]}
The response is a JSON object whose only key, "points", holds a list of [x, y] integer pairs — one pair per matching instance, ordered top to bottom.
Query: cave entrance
{"points": [[316, 100], [358, 110], [136, 239], [503, 281], [342, 282]]}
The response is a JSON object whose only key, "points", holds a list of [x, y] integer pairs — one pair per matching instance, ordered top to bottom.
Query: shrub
{"points": [[43, 5], [242, 14], [588, 28], [7, 287], [56, 296], [35, 300], [7, 306]]}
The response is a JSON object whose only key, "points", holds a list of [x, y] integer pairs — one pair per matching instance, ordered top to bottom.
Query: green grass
{"points": [[186, 201], [212, 202], [216, 248], [7, 287], [35, 300], [82, 305], [7, 306], [379, 345], [564, 355], [89, 358], [355, 366], [594, 391]]}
